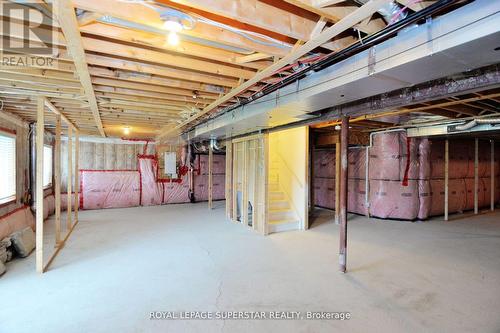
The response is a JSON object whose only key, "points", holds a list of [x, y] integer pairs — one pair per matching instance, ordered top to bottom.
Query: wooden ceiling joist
{"points": [[363, 12], [67, 20]]}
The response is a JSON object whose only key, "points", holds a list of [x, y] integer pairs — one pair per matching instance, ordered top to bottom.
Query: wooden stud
{"points": [[40, 122], [344, 135], [77, 176], [210, 176], [476, 176], [446, 177], [70, 179], [229, 179], [57, 180], [235, 180], [337, 183], [244, 187]]}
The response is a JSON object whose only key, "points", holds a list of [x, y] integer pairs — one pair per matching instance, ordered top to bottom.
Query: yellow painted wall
{"points": [[290, 149]]}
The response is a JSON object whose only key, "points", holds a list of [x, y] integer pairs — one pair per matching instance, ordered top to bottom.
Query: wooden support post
{"points": [[40, 121], [344, 135], [265, 154], [77, 176], [476, 176], [492, 176], [210, 177], [446, 177], [70, 179], [229, 179], [57, 180], [337, 183], [244, 186], [234, 193]]}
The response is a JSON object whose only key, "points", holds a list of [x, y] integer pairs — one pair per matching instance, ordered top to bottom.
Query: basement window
{"points": [[47, 166], [8, 167]]}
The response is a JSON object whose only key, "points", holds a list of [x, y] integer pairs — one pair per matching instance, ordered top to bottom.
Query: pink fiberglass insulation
{"points": [[324, 161], [395, 161], [219, 164], [356, 168], [201, 187], [110, 188], [152, 191], [177, 192], [324, 192], [356, 196], [390, 199], [16, 220]]}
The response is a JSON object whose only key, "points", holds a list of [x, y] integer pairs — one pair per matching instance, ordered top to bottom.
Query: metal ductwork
{"points": [[391, 12], [476, 122]]}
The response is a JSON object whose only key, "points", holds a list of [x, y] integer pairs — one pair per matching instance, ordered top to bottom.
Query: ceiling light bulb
{"points": [[172, 25], [173, 38], [126, 130]]}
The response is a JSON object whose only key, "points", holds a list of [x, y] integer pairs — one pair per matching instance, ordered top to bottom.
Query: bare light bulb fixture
{"points": [[173, 25], [173, 38], [126, 130]]}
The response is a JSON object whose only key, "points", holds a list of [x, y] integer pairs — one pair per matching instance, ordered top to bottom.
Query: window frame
{"points": [[13, 135]]}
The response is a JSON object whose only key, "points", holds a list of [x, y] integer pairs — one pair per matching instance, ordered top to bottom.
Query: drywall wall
{"points": [[288, 151]]}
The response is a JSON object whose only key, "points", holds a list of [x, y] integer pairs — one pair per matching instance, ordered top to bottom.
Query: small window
{"points": [[47, 166], [8, 167]]}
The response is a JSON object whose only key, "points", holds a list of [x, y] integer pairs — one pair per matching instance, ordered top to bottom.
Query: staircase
{"points": [[282, 217]]}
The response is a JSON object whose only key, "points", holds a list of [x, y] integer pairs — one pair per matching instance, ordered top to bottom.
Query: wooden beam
{"points": [[336, 13], [67, 20], [344, 24], [201, 31], [252, 57], [164, 58], [54, 109], [16, 120], [40, 122], [344, 134], [57, 179]]}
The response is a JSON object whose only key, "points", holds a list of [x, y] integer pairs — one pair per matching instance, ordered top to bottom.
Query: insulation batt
{"points": [[392, 159], [110, 189]]}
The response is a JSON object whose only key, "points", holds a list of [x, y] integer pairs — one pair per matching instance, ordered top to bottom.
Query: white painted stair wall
{"points": [[282, 216]]}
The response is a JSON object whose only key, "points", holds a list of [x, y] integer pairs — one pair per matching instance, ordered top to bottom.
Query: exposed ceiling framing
{"points": [[115, 68]]}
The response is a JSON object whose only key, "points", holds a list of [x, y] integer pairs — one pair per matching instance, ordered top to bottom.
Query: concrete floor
{"points": [[121, 264]]}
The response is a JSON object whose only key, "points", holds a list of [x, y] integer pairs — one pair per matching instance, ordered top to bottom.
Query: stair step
{"points": [[273, 186], [276, 195], [278, 204], [281, 214], [283, 225]]}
